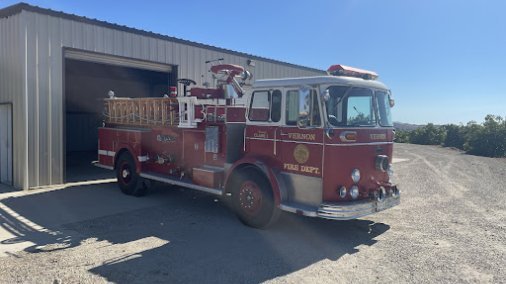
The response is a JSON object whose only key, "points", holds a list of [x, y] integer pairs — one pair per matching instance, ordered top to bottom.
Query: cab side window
{"points": [[265, 106], [276, 106], [292, 107], [302, 108]]}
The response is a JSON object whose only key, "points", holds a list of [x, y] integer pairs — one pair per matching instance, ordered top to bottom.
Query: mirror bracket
{"points": [[329, 132]]}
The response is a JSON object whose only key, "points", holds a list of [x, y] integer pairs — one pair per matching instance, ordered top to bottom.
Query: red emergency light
{"points": [[342, 70], [173, 91]]}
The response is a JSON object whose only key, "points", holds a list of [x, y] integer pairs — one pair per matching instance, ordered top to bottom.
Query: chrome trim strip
{"points": [[255, 138], [244, 139], [275, 140], [291, 141], [301, 142], [315, 143], [360, 144], [106, 153], [143, 158], [209, 169], [182, 183], [297, 210], [345, 210], [353, 210]]}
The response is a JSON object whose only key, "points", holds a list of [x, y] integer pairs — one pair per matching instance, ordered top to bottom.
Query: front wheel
{"points": [[128, 179], [253, 200]]}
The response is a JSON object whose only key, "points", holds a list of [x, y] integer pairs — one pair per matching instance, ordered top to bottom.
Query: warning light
{"points": [[341, 70], [173, 91]]}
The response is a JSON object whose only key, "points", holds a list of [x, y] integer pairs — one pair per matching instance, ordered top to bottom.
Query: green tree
{"points": [[428, 135], [402, 136], [454, 136], [488, 139]]}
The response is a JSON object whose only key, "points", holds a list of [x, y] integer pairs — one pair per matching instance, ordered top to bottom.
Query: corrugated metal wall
{"points": [[38, 45], [12, 90]]}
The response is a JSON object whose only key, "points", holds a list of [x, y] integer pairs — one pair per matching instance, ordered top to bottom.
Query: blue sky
{"points": [[445, 61]]}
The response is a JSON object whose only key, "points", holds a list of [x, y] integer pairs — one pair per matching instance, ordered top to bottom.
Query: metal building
{"points": [[54, 68]]}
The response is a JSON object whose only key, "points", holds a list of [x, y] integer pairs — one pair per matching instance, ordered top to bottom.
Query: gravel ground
{"points": [[450, 227]]}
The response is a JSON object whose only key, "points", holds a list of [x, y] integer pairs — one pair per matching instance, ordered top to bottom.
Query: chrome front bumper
{"points": [[353, 210]]}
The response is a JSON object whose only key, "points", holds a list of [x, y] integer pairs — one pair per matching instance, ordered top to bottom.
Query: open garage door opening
{"points": [[86, 85]]}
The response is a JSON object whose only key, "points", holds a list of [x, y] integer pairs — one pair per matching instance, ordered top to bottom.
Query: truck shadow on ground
{"points": [[201, 240]]}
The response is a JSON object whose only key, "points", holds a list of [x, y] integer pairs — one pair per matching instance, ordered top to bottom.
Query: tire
{"points": [[128, 180], [253, 199]]}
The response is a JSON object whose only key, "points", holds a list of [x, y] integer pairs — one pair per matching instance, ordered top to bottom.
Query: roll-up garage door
{"points": [[116, 60]]}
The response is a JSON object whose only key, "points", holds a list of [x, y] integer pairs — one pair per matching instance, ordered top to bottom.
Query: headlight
{"points": [[381, 163], [355, 175], [342, 192], [354, 192]]}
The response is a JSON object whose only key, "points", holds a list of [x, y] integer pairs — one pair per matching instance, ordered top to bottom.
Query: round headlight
{"points": [[381, 163], [355, 175], [342, 192], [354, 192]]}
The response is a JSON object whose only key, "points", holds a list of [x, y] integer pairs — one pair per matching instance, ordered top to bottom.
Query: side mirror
{"points": [[326, 95], [391, 101], [303, 120], [329, 132]]}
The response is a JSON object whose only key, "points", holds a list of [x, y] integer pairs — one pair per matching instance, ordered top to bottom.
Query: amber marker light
{"points": [[348, 136]]}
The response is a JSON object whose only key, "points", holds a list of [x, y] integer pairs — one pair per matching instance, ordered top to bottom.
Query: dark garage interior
{"points": [[86, 85]]}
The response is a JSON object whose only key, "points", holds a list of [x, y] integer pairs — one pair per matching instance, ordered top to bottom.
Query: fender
{"points": [[124, 147], [275, 180]]}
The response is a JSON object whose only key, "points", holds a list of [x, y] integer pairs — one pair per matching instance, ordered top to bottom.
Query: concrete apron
{"points": [[31, 220]]}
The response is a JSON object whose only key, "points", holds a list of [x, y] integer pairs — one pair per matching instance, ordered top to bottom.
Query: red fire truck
{"points": [[315, 146]]}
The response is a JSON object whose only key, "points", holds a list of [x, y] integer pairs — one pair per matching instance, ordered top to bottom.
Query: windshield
{"points": [[357, 107]]}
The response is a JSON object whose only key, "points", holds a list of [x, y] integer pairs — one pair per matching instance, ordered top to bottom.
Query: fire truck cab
{"points": [[315, 146]]}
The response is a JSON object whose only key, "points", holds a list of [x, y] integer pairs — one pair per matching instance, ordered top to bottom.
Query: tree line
{"points": [[483, 139]]}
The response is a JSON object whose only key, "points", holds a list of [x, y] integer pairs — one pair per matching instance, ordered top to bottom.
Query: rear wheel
{"points": [[128, 179], [253, 200]]}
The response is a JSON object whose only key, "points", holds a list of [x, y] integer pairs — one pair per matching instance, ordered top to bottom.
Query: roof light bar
{"points": [[342, 70]]}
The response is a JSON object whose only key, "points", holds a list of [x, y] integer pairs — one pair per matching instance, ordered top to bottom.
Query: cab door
{"points": [[264, 115], [301, 145]]}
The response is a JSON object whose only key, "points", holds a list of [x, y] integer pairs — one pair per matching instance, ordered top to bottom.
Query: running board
{"points": [[164, 179]]}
